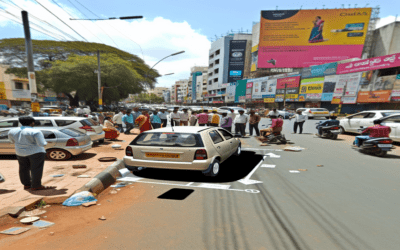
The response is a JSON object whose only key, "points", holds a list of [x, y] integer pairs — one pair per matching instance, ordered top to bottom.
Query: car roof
{"points": [[179, 129]]}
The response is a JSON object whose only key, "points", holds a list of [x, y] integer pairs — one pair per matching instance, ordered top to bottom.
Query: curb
{"points": [[104, 179]]}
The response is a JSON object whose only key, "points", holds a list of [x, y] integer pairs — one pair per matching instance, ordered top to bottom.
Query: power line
{"points": [[62, 21], [78, 22], [94, 23]]}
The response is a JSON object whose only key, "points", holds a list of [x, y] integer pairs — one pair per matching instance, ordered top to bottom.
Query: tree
{"points": [[12, 52], [77, 74], [148, 98]]}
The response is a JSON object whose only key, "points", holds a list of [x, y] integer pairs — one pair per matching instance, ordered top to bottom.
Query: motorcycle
{"points": [[330, 132], [276, 137], [376, 146]]}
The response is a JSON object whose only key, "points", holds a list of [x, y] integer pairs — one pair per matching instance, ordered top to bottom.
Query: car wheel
{"points": [[342, 131], [333, 136], [101, 141], [238, 150], [381, 153], [58, 155], [213, 169]]}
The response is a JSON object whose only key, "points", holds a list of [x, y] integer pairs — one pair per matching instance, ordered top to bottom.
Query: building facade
{"points": [[386, 40], [14, 91], [158, 91]]}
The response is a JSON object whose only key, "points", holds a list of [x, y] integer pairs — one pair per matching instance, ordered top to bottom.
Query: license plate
{"points": [[335, 131], [385, 145], [161, 155]]}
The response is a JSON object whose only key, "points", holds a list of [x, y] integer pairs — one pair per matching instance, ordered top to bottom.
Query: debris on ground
{"points": [[264, 144], [295, 149], [272, 155], [320, 165], [78, 166], [302, 169], [57, 175], [83, 176], [119, 185], [113, 192], [79, 198], [88, 204], [46, 206], [34, 212], [102, 218], [28, 220], [42, 224], [15, 230], [51, 233]]}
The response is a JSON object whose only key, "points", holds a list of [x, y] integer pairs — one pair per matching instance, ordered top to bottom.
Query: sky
{"points": [[167, 26]]}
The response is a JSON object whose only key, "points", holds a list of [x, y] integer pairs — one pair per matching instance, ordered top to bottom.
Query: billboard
{"points": [[302, 38], [254, 46], [237, 52], [374, 63], [319, 70], [249, 87], [260, 87], [329, 87], [269, 88], [292, 88], [311, 89], [346, 89], [376, 89], [396, 89], [240, 91]]}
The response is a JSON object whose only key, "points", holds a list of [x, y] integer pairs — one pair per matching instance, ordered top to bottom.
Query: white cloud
{"points": [[386, 20], [158, 38]]}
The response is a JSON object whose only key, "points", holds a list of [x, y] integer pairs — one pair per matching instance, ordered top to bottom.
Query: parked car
{"points": [[235, 109], [312, 113], [285, 114], [393, 121], [353, 122], [84, 125], [62, 144], [186, 148]]}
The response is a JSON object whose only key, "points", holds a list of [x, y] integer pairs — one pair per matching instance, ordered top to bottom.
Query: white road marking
{"points": [[272, 155], [268, 166], [294, 171], [246, 180], [189, 183], [217, 186]]}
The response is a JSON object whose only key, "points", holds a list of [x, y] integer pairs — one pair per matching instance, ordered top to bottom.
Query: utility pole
{"points": [[31, 70], [99, 78], [284, 97]]}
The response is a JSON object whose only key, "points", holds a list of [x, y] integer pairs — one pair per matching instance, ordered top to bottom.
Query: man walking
{"points": [[274, 112], [163, 116], [175, 117], [184, 117], [118, 120], [128, 120], [299, 120], [226, 121], [240, 123], [253, 123], [29, 147]]}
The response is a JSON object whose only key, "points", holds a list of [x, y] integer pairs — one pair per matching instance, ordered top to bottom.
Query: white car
{"points": [[235, 110], [312, 113], [393, 121], [352, 123], [84, 125]]}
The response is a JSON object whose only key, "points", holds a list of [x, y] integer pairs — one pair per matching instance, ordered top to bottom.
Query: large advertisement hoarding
{"points": [[302, 38], [254, 46], [237, 52], [381, 62], [319, 70], [292, 84], [249, 87], [260, 87], [329, 88], [311, 89], [346, 89], [376, 89], [240, 92]]}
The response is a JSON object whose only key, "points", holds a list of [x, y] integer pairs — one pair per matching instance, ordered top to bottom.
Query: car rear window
{"points": [[384, 114], [89, 122], [63, 123], [8, 124], [72, 132], [168, 140]]}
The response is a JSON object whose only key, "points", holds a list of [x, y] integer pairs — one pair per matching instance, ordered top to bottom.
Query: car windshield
{"points": [[384, 114], [168, 140]]}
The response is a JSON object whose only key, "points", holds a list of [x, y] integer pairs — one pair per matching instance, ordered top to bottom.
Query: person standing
{"points": [[274, 112], [135, 114], [210, 115], [232, 115], [163, 116], [175, 117], [184, 117], [193, 118], [203, 118], [117, 119], [214, 119], [128, 120], [155, 120], [299, 120], [143, 121], [226, 121], [240, 123], [253, 123], [29, 147]]}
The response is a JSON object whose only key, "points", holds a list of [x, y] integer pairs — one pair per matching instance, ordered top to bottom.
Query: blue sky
{"points": [[168, 26]]}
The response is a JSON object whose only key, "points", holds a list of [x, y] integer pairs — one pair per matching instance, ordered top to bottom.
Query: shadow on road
{"points": [[83, 156], [8, 157], [233, 169], [6, 191], [48, 192]]}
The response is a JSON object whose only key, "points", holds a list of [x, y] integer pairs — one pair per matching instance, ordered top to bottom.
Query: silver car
{"points": [[62, 144]]}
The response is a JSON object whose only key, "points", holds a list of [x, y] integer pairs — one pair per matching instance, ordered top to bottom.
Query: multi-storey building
{"points": [[197, 74], [158, 91]]}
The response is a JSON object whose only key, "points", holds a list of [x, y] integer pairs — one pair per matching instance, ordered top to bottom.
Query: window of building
{"points": [[217, 52], [211, 56], [216, 61], [211, 65], [216, 71], [215, 79], [209, 82], [19, 85], [27, 86]]}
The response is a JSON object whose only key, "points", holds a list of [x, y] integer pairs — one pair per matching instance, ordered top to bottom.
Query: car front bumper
{"points": [[80, 149], [194, 165]]}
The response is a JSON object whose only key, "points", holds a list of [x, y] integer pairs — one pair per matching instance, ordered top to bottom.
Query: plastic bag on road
{"points": [[79, 198]]}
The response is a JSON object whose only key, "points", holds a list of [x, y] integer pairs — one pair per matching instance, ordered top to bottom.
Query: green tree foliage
{"points": [[148, 98]]}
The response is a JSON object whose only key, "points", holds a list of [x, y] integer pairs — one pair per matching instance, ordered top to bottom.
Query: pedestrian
{"points": [[79, 112], [274, 112], [135, 114], [163, 114], [210, 115], [175, 117], [184, 117], [193, 118], [202, 118], [215, 118], [117, 119], [128, 120], [155, 120], [299, 120], [143, 121], [226, 121], [253, 122], [240, 123], [111, 132], [29, 148]]}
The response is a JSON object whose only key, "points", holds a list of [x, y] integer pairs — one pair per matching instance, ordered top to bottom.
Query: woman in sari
{"points": [[316, 32], [143, 121], [108, 127]]}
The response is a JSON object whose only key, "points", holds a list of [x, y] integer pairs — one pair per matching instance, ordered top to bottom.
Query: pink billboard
{"points": [[374, 63], [291, 82]]}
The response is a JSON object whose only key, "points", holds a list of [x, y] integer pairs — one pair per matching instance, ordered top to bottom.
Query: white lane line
{"points": [[268, 166], [246, 180], [189, 183], [217, 186]]}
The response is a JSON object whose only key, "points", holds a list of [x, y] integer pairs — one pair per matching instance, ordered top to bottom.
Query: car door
{"points": [[368, 119], [352, 123], [394, 124], [50, 138], [233, 143], [5, 144], [221, 145]]}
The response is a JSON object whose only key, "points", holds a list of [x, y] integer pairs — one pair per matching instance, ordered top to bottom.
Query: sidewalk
{"points": [[13, 195]]}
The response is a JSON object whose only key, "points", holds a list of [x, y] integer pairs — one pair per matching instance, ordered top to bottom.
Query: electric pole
{"points": [[99, 78]]}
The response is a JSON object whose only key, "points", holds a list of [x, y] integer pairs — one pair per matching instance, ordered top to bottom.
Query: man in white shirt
{"points": [[274, 112], [163, 114], [232, 115], [175, 117], [184, 117], [118, 120], [299, 120], [240, 123]]}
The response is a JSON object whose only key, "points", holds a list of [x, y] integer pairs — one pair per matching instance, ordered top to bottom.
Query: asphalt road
{"points": [[351, 202]]}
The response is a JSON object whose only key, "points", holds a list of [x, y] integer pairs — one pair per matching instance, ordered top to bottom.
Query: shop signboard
{"points": [[237, 52], [381, 62], [319, 70], [346, 86], [259, 87], [329, 87], [312, 88], [376, 89], [22, 94]]}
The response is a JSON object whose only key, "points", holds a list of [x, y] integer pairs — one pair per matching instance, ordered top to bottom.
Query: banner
{"points": [[301, 38], [237, 52], [374, 63], [319, 70], [291, 82], [346, 86], [259, 87], [329, 87], [269, 88], [231, 89], [311, 89], [376, 89], [396, 89], [240, 90], [2, 91], [22, 94], [374, 96], [279, 98], [269, 100]]}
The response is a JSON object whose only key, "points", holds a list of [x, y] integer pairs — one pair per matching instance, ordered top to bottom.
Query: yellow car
{"points": [[180, 147]]}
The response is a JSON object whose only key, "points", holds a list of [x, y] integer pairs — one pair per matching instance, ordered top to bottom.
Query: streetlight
{"points": [[110, 18]]}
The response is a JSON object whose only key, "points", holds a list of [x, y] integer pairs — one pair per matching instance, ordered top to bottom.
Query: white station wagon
{"points": [[185, 148]]}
